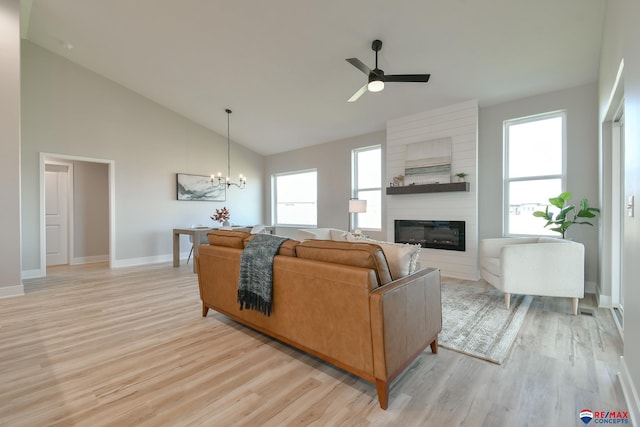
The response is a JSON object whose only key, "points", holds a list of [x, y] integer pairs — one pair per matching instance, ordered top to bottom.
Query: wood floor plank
{"points": [[89, 346]]}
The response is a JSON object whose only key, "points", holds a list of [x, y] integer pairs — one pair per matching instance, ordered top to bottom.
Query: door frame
{"points": [[50, 157], [611, 198], [618, 208]]}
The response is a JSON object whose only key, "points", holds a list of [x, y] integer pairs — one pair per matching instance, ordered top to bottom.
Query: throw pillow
{"points": [[339, 235], [401, 257]]}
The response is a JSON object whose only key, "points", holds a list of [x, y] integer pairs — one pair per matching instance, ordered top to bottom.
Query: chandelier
{"points": [[220, 181]]}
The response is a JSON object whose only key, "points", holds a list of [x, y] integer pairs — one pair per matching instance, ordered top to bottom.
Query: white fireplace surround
{"points": [[458, 124]]}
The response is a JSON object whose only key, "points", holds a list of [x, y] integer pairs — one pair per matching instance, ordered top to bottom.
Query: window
{"points": [[534, 170], [366, 184], [295, 196]]}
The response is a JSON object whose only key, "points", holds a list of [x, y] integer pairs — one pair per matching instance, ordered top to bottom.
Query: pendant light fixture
{"points": [[219, 180]]}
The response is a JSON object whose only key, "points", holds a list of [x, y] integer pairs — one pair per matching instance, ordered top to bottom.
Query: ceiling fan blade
{"points": [[359, 65], [416, 78], [358, 94]]}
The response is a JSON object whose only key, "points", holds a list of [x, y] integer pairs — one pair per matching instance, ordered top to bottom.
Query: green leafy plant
{"points": [[461, 176], [568, 215]]}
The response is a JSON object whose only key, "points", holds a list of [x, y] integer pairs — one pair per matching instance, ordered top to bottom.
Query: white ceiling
{"points": [[280, 64]]}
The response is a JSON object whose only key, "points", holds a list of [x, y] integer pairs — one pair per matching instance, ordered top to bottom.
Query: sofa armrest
{"points": [[490, 248], [552, 269], [406, 317]]}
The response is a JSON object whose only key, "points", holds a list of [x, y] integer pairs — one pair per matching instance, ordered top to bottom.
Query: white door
{"points": [[57, 214]]}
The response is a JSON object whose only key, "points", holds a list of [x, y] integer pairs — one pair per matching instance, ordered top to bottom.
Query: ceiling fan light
{"points": [[375, 85]]}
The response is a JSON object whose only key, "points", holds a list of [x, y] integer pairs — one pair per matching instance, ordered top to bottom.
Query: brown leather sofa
{"points": [[333, 300]]}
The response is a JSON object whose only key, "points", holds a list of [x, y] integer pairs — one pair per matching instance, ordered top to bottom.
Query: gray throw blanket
{"points": [[255, 285]]}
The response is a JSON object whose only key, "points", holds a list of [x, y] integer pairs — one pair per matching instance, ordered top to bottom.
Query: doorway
{"points": [[613, 204], [80, 245]]}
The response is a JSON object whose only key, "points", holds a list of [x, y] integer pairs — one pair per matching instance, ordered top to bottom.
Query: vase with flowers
{"points": [[222, 216]]}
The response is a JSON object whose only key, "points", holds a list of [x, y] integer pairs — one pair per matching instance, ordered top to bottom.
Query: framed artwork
{"points": [[199, 188]]}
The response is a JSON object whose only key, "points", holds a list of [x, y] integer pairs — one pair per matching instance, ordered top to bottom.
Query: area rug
{"points": [[477, 323]]}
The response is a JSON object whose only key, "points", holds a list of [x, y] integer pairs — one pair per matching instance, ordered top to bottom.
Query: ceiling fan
{"points": [[377, 78]]}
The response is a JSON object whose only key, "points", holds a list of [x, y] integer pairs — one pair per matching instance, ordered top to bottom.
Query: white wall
{"points": [[620, 41], [580, 104], [68, 110], [460, 123], [333, 163], [90, 212], [10, 278]]}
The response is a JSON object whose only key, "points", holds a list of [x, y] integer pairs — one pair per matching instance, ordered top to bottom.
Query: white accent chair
{"points": [[259, 229], [322, 234], [542, 266]]}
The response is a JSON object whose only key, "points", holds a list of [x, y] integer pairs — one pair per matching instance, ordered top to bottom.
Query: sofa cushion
{"points": [[312, 234], [322, 234], [338, 235], [228, 238], [551, 240], [287, 248], [357, 254], [401, 257]]}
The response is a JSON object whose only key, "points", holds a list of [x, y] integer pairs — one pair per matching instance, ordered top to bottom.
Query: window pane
{"points": [[535, 148], [369, 168], [367, 181], [299, 187], [527, 197], [296, 198], [297, 213], [371, 218]]}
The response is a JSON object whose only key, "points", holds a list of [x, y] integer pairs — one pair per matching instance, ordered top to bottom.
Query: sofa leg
{"points": [[486, 285], [507, 300], [574, 306], [205, 310], [434, 346], [382, 387]]}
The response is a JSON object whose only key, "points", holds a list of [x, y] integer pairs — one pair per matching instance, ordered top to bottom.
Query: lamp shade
{"points": [[357, 206]]}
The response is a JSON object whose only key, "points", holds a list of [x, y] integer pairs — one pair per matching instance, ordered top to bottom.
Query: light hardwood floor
{"points": [[89, 346]]}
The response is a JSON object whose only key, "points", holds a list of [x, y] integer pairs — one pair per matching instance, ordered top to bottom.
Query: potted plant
{"points": [[461, 176], [568, 215]]}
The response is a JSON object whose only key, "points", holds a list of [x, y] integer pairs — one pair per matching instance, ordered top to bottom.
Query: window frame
{"points": [[507, 180], [355, 189], [274, 197]]}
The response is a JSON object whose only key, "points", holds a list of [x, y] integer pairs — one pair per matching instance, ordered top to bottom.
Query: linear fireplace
{"points": [[434, 234]]}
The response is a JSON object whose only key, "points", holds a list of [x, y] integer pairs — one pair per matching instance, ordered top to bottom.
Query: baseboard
{"points": [[89, 259], [136, 262], [33, 274], [590, 287], [11, 291], [604, 301], [618, 325], [630, 393]]}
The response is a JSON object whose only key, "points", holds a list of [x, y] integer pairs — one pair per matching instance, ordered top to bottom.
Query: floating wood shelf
{"points": [[429, 188]]}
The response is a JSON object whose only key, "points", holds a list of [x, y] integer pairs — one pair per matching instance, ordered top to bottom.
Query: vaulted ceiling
{"points": [[280, 64]]}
